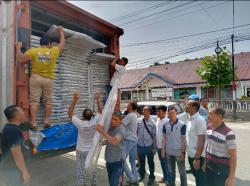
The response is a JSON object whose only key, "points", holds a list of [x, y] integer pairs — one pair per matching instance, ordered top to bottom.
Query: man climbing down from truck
{"points": [[117, 70], [42, 74], [86, 131]]}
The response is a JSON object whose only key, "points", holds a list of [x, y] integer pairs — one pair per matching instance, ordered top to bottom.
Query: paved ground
{"points": [[60, 170]]}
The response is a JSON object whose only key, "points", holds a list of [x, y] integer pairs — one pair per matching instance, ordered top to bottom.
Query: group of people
{"points": [[198, 133]]}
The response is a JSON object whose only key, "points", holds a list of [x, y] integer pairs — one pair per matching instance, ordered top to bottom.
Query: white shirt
{"points": [[119, 71], [184, 117], [195, 126], [86, 131], [159, 131]]}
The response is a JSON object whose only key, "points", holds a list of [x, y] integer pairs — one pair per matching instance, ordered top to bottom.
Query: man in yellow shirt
{"points": [[42, 77]]}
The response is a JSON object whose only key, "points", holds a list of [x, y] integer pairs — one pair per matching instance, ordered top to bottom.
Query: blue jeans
{"points": [[131, 151], [144, 152], [164, 165], [181, 167], [114, 172], [198, 174]]}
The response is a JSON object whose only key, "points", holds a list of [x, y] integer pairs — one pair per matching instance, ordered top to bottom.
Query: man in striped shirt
{"points": [[221, 156]]}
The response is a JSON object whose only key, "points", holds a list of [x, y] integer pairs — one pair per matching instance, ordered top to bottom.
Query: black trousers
{"points": [[198, 174], [213, 179]]}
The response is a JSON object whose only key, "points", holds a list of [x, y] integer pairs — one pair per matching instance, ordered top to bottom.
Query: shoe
{"points": [[189, 171], [141, 178], [161, 180], [151, 181], [132, 183]]}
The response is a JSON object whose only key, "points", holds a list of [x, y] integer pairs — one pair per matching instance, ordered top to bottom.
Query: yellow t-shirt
{"points": [[44, 61]]}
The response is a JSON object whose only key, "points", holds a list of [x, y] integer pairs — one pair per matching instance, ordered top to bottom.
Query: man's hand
{"points": [[60, 29], [18, 45], [76, 97], [99, 128], [154, 150], [163, 154], [183, 154], [196, 164], [204, 167], [26, 178], [229, 181]]}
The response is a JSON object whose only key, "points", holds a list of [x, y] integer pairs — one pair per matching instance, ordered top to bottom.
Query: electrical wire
{"points": [[157, 13], [132, 14], [172, 18], [182, 37], [224, 41]]}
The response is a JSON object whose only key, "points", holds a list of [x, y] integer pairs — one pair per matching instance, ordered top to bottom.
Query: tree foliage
{"points": [[213, 73]]}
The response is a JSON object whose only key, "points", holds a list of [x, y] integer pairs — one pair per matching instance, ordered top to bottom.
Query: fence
{"points": [[242, 110]]}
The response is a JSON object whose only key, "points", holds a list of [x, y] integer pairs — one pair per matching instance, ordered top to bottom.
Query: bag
{"points": [[147, 129]]}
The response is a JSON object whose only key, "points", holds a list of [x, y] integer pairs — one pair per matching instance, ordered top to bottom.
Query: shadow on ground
{"points": [[239, 182]]}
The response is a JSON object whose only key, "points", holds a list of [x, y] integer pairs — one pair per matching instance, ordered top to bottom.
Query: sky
{"points": [[146, 21]]}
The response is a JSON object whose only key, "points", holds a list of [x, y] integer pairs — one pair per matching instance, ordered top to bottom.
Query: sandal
{"points": [[47, 125], [34, 127]]}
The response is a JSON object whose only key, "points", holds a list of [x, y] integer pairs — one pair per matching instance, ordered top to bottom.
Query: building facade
{"points": [[179, 80]]}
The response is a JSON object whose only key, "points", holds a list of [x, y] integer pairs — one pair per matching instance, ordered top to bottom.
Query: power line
{"points": [[218, 4], [142, 11], [157, 13], [209, 15], [182, 37], [224, 41]]}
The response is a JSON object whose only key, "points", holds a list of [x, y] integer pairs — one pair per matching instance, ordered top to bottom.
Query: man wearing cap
{"points": [[196, 131]]}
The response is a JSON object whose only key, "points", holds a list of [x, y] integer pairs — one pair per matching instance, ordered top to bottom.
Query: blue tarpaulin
{"points": [[59, 136]]}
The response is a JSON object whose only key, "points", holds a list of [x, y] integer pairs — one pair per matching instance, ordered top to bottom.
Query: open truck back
{"points": [[83, 67]]}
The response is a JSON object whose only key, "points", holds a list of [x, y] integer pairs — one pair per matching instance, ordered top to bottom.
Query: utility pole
{"points": [[218, 50], [233, 66]]}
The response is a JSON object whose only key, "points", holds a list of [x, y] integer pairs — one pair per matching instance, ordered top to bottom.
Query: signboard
{"points": [[162, 93]]}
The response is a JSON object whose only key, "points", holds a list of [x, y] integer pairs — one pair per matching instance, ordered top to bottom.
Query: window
{"points": [[208, 92], [248, 92], [181, 93], [126, 95]]}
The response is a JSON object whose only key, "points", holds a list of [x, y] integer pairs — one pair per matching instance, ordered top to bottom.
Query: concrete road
{"points": [[60, 170]]}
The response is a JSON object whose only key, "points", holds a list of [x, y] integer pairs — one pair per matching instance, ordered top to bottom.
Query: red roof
{"points": [[183, 73]]}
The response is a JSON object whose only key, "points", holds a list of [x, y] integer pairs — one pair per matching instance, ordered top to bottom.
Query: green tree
{"points": [[216, 74]]}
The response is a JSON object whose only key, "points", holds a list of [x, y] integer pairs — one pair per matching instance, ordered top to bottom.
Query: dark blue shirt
{"points": [[11, 137]]}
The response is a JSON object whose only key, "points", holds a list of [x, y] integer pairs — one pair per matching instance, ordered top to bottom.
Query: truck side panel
{"points": [[7, 62]]}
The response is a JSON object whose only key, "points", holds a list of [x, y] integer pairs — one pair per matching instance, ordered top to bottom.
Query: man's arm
{"points": [[62, 38], [22, 58], [113, 63], [73, 104], [99, 105], [154, 138], [183, 139], [112, 140], [164, 145], [200, 145], [199, 150], [19, 160], [232, 164]]}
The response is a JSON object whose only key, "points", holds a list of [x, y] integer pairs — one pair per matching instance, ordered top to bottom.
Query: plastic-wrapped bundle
{"points": [[72, 74], [105, 120]]}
